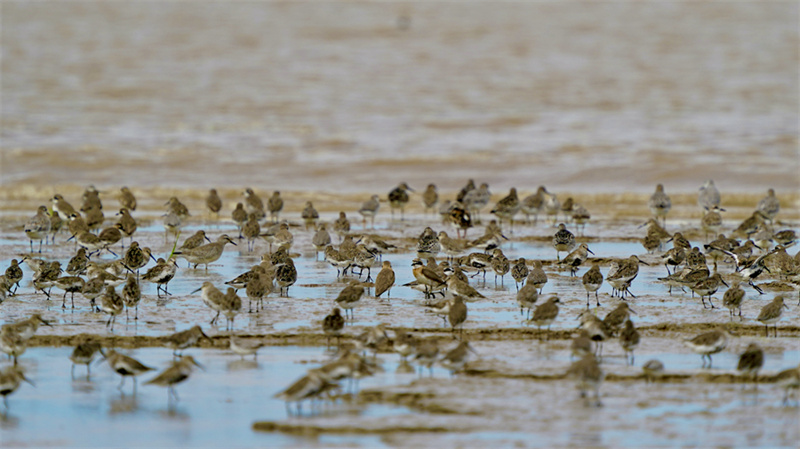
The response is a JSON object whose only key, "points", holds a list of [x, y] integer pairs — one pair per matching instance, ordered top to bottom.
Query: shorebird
{"points": [[708, 196], [430, 197], [127, 198], [398, 198], [477, 199], [213, 203], [253, 204], [533, 204], [660, 204], [274, 205], [769, 206], [507, 207], [369, 209], [309, 215], [239, 216], [342, 225], [38, 226], [251, 231], [320, 240], [563, 240], [428, 244], [205, 254], [574, 259], [520, 271], [161, 274], [285, 276], [427, 277], [537, 277], [621, 279], [384, 280], [592, 281], [71, 285], [707, 287], [350, 296], [212, 297], [527, 297], [733, 298], [112, 304], [546, 313], [771, 314], [457, 315], [617, 317], [332, 325], [596, 329], [185, 339], [629, 340], [708, 343], [581, 345], [245, 347], [83, 354], [457, 358], [751, 360], [125, 366], [652, 369], [178, 372], [589, 376], [10, 379], [309, 386]]}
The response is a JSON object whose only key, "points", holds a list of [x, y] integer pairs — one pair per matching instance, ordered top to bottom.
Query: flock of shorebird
{"points": [[753, 249]]}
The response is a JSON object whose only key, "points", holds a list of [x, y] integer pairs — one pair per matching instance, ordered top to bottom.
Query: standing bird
{"points": [[708, 196], [430, 197], [398, 198], [127, 199], [477, 199], [213, 203], [253, 203], [533, 204], [660, 204], [275, 205], [769, 206], [507, 207], [369, 209], [309, 215], [239, 216], [712, 221], [128, 223], [38, 226], [341, 226], [251, 230], [321, 239], [563, 240], [205, 254], [574, 259], [520, 271], [161, 274], [285, 276], [427, 277], [537, 277], [621, 279], [385, 280], [592, 281], [131, 295], [350, 296], [527, 297], [733, 298], [112, 304], [546, 313], [457, 314], [771, 314], [617, 317], [332, 325], [185, 339], [629, 339], [708, 343], [83, 354], [457, 358], [751, 360], [125, 366], [652, 369], [175, 374], [589, 375], [10, 379]]}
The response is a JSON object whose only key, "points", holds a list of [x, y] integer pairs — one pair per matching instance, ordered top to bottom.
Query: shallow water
{"points": [[350, 97]]}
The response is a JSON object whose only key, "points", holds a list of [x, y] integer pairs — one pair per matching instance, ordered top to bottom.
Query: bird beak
{"points": [[207, 239], [587, 249], [725, 283], [195, 291], [632, 311], [46, 323], [198, 365]]}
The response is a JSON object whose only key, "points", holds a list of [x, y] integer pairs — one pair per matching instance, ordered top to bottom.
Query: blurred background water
{"points": [[355, 96]]}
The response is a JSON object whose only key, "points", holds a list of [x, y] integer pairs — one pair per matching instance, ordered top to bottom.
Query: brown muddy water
{"points": [[334, 102]]}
